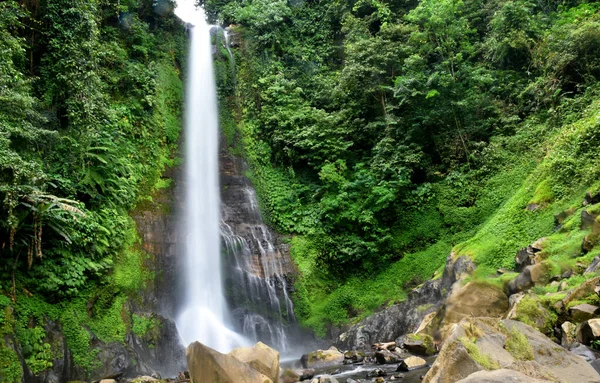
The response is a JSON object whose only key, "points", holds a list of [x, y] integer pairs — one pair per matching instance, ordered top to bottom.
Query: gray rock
{"points": [[591, 198], [587, 219], [588, 243], [526, 256], [594, 266], [583, 312], [405, 317], [568, 330], [588, 331], [584, 352], [387, 357], [322, 358], [412, 363], [596, 365], [375, 373], [500, 376]]}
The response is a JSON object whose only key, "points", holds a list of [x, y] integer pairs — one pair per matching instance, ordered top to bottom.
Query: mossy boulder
{"points": [[586, 289], [531, 310], [421, 344], [478, 344], [322, 358]]}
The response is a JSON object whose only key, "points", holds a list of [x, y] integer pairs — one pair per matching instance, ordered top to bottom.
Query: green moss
{"points": [[543, 193], [129, 274], [530, 310], [142, 325], [78, 340], [427, 342], [518, 345], [482, 359], [10, 366]]}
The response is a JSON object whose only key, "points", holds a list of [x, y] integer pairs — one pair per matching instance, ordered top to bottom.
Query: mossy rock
{"points": [[532, 311], [421, 344]]}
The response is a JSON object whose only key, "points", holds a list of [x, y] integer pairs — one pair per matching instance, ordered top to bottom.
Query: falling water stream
{"points": [[254, 269], [204, 314]]}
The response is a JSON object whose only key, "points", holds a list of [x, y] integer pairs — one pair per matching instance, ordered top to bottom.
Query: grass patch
{"points": [[518, 346], [482, 359]]}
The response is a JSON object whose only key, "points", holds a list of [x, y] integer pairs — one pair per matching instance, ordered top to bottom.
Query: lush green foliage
{"points": [[90, 112], [383, 134]]}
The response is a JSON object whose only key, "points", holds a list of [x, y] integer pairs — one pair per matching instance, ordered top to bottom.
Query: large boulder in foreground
{"points": [[478, 344], [261, 357], [322, 358], [210, 366], [500, 376]]}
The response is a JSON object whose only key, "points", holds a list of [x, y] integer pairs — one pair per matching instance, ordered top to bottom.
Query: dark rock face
{"points": [[591, 198], [587, 220], [258, 271], [404, 317]]}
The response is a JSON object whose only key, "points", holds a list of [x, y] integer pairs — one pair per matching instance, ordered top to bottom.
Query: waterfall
{"points": [[255, 268], [204, 316]]}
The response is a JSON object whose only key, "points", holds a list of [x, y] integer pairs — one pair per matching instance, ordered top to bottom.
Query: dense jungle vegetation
{"points": [[90, 111], [382, 135]]}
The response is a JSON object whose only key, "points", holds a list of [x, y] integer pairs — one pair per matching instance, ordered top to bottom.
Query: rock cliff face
{"points": [[258, 270], [405, 317]]}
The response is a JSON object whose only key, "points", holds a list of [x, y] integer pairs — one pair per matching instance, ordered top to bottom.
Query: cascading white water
{"points": [[204, 315]]}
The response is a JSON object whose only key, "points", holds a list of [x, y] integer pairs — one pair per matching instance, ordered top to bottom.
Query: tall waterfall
{"points": [[204, 316]]}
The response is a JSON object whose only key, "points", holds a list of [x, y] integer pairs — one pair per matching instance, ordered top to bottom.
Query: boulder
{"points": [[591, 198], [561, 217], [587, 219], [588, 243], [527, 255], [594, 266], [530, 276], [585, 289], [476, 299], [528, 308], [583, 312], [426, 323], [568, 331], [588, 331], [421, 344], [477, 344], [354, 356], [387, 357], [261, 358], [322, 358], [412, 363], [210, 366], [377, 372], [307, 373], [290, 376], [500, 376], [108, 381]]}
